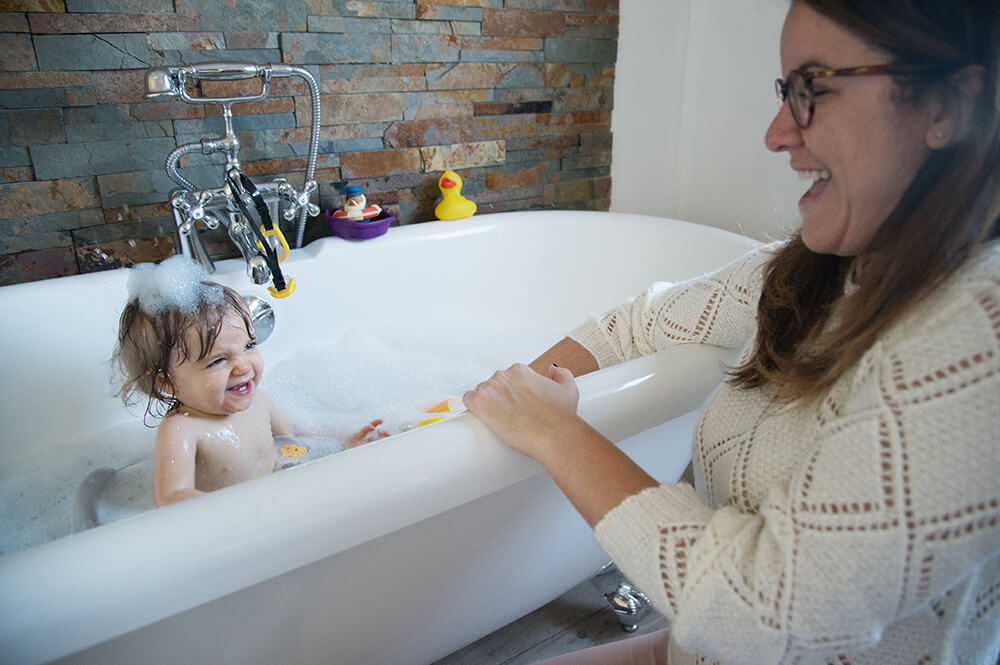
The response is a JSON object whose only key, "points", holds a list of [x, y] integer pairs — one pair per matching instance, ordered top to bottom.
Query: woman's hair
{"points": [[950, 208], [147, 340]]}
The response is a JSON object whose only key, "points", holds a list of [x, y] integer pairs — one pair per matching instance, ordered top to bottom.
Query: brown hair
{"points": [[951, 207], [146, 341]]}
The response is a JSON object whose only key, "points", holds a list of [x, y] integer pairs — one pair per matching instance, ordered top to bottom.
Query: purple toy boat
{"points": [[363, 230]]}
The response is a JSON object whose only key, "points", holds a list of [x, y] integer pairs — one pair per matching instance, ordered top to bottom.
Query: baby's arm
{"points": [[281, 425], [173, 468]]}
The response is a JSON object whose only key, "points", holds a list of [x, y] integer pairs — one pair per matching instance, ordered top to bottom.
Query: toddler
{"points": [[188, 346]]}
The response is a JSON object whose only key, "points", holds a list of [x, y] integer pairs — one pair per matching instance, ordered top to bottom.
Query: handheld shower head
{"points": [[160, 84]]}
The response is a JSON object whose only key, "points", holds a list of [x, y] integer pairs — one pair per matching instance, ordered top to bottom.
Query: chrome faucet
{"points": [[248, 210]]}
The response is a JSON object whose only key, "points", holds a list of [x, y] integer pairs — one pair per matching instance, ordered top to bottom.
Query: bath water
{"points": [[393, 374], [330, 390], [39, 481]]}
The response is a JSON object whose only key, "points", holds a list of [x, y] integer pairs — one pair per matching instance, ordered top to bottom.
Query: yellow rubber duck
{"points": [[453, 205]]}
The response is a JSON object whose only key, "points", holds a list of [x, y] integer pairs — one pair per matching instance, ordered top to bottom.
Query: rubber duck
{"points": [[453, 205], [356, 207]]}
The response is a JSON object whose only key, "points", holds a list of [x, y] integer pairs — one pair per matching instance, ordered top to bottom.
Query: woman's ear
{"points": [[954, 108]]}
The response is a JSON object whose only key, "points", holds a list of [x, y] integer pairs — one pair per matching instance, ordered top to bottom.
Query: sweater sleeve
{"points": [[719, 308], [886, 508]]}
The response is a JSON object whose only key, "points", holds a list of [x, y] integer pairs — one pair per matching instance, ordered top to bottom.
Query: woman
{"points": [[847, 508]]}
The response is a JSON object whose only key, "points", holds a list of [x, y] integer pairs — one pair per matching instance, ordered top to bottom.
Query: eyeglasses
{"points": [[798, 89]]}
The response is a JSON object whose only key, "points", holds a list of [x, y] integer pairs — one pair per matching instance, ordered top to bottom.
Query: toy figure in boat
{"points": [[356, 207]]}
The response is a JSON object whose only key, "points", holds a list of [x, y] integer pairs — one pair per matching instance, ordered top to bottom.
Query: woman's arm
{"points": [[719, 308], [715, 309], [568, 354]]}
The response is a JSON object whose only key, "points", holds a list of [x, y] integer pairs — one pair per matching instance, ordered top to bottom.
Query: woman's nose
{"points": [[782, 134]]}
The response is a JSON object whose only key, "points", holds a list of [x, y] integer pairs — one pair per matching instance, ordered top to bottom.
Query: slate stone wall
{"points": [[514, 95]]}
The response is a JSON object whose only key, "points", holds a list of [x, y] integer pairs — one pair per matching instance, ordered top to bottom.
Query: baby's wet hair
{"points": [[146, 341]]}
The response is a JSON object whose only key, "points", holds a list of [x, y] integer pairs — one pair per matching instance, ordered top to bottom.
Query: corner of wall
{"points": [[649, 89]]}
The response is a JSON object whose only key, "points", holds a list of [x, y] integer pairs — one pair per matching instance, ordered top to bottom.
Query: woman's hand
{"points": [[524, 409], [536, 416]]}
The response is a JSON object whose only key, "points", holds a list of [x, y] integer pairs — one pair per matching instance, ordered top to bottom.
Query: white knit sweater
{"points": [[864, 528]]}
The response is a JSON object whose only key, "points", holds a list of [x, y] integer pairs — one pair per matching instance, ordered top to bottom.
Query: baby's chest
{"points": [[244, 442]]}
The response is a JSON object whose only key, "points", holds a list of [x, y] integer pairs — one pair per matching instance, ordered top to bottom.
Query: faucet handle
{"points": [[300, 200], [180, 201], [192, 204], [198, 211]]}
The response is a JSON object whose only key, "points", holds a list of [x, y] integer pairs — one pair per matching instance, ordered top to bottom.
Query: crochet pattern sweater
{"points": [[862, 528]]}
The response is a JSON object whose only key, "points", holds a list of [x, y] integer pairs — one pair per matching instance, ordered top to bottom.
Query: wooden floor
{"points": [[578, 619]]}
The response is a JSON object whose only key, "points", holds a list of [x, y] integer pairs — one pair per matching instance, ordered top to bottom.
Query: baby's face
{"points": [[225, 380]]}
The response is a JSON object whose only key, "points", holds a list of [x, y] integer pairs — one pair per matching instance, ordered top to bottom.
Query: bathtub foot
{"points": [[630, 604]]}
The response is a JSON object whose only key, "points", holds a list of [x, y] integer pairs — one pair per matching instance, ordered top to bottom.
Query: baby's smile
{"points": [[242, 389]]}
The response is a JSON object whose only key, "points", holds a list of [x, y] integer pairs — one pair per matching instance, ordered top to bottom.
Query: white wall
{"points": [[693, 97], [646, 120]]}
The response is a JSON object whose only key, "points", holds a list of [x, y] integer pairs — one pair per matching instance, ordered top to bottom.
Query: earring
{"points": [[939, 135]]}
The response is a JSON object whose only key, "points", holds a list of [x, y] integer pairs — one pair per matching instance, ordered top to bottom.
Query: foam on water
{"points": [[177, 283], [390, 373], [38, 490]]}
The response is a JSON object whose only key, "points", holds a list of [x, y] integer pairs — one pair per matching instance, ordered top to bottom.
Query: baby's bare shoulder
{"points": [[176, 425], [181, 428]]}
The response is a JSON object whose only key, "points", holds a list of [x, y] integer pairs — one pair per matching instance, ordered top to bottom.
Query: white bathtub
{"points": [[400, 551]]}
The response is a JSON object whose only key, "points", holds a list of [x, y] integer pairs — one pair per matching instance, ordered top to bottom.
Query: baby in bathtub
{"points": [[188, 347]]}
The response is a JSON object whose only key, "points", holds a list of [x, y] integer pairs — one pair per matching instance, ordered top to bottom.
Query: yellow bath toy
{"points": [[453, 205], [277, 241], [285, 292], [444, 407], [291, 450]]}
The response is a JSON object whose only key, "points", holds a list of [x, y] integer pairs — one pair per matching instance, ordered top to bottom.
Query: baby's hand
{"points": [[370, 432]]}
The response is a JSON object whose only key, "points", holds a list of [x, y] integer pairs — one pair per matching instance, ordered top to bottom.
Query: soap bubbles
{"points": [[177, 283]]}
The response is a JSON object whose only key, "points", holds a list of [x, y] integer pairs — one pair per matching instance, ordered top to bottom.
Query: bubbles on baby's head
{"points": [[176, 283]]}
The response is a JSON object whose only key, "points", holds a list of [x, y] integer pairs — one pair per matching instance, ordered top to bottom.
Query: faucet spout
{"points": [[239, 232]]}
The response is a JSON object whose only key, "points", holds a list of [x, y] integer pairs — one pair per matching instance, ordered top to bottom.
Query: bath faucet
{"points": [[247, 210]]}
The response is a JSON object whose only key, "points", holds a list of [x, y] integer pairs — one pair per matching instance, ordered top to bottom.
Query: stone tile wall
{"points": [[514, 95]]}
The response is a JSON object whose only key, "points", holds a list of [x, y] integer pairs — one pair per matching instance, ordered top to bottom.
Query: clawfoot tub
{"points": [[396, 552]]}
